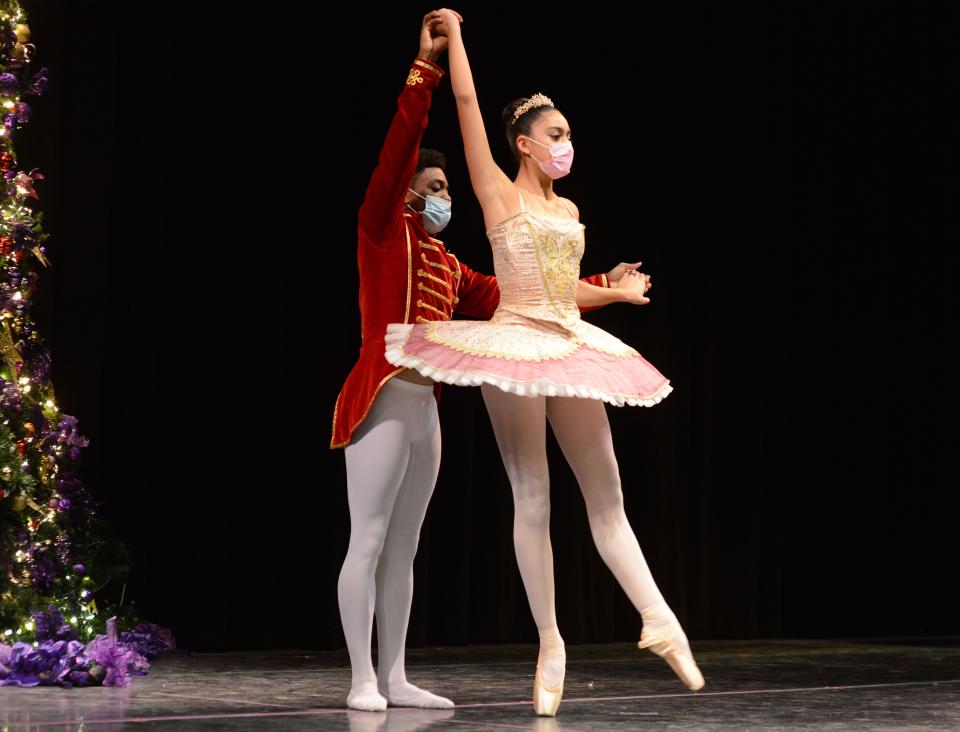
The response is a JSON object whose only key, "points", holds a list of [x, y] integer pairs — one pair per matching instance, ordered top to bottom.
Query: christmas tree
{"points": [[56, 553]]}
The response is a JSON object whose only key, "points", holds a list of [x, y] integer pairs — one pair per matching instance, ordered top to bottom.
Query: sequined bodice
{"points": [[536, 258]]}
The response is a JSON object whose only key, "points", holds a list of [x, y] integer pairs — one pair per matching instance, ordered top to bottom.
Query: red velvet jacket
{"points": [[406, 276]]}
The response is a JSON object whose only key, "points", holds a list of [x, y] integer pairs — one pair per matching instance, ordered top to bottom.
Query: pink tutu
{"points": [[536, 343]]}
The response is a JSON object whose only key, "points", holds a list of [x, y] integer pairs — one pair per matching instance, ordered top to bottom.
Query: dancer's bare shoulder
{"points": [[573, 207]]}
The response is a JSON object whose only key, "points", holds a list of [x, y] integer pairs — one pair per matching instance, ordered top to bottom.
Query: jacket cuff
{"points": [[424, 73]]}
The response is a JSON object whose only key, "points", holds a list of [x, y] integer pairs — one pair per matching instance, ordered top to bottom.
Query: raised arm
{"points": [[492, 187], [383, 201]]}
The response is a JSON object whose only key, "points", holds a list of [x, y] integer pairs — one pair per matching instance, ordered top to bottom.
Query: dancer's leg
{"points": [[519, 424], [583, 432], [376, 463], [394, 576]]}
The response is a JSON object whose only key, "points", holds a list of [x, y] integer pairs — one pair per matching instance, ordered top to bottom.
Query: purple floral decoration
{"points": [[68, 432], [51, 625], [149, 639], [103, 660], [117, 660], [62, 663]]}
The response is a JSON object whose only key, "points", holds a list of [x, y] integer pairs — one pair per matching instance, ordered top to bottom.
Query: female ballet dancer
{"points": [[535, 361]]}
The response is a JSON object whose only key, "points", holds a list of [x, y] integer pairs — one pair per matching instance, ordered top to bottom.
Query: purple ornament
{"points": [[9, 84]]}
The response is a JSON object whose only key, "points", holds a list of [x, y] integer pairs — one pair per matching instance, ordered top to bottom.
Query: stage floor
{"points": [[890, 684]]}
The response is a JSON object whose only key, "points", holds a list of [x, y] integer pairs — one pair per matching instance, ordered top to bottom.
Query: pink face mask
{"points": [[561, 159]]}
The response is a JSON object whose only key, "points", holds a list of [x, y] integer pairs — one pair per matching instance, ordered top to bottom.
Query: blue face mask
{"points": [[436, 213]]}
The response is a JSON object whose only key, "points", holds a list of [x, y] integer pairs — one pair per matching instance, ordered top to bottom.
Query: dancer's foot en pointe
{"points": [[663, 635], [551, 669], [408, 695], [364, 697]]}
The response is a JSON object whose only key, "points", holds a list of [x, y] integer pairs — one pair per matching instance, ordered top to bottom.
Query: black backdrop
{"points": [[786, 172]]}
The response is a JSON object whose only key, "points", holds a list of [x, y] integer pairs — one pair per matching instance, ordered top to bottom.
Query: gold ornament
{"points": [[23, 37], [41, 256], [8, 349]]}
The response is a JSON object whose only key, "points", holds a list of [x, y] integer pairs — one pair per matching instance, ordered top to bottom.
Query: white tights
{"points": [[583, 433], [392, 466]]}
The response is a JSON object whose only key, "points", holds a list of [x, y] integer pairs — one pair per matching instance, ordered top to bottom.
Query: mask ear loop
{"points": [[531, 154], [416, 194]]}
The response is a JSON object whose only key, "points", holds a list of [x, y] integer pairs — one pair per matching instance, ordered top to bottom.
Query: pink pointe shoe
{"points": [[659, 640]]}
